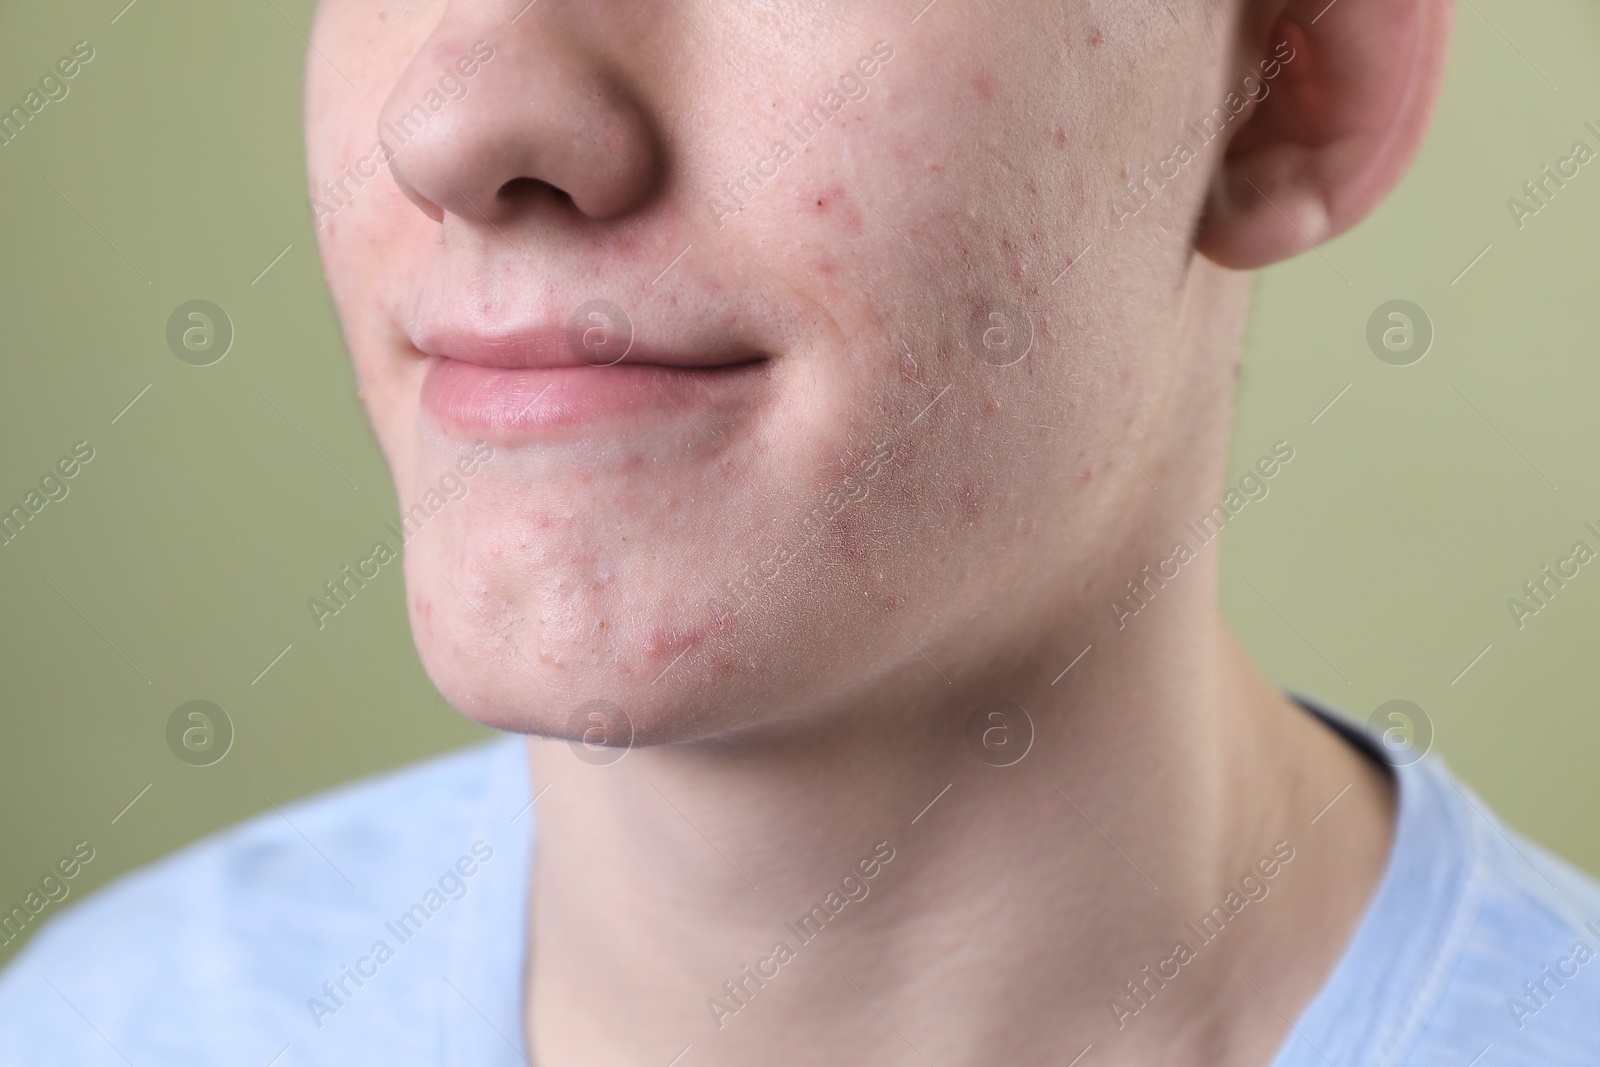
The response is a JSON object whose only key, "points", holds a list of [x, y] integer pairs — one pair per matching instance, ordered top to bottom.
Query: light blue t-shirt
{"points": [[385, 922]]}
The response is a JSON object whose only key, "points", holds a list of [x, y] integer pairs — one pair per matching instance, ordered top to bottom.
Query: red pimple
{"points": [[823, 200], [666, 644]]}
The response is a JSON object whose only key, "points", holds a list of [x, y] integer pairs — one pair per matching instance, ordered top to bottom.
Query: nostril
{"points": [[543, 130], [525, 190]]}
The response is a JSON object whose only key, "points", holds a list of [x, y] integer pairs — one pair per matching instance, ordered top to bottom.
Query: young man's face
{"points": [[889, 356]]}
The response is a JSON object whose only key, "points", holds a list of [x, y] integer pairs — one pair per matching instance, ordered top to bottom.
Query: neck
{"points": [[868, 872]]}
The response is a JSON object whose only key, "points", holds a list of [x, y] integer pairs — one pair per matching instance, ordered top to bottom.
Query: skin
{"points": [[774, 745]]}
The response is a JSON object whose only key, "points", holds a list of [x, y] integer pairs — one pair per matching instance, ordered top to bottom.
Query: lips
{"points": [[551, 382]]}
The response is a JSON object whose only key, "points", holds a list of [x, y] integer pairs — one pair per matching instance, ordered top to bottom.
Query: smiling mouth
{"points": [[552, 383]]}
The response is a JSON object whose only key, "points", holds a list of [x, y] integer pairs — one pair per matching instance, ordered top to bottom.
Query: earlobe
{"points": [[1355, 87]]}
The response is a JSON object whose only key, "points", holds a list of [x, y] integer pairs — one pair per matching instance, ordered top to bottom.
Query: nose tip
{"points": [[536, 121]]}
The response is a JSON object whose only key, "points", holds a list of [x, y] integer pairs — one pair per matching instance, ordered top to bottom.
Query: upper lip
{"points": [[549, 346]]}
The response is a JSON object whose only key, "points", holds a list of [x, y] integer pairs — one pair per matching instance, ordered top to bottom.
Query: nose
{"points": [[489, 118]]}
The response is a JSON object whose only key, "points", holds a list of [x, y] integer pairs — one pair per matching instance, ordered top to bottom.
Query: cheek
{"points": [[371, 47]]}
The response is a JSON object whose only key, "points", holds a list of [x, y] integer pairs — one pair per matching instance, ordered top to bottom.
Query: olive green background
{"points": [[179, 565]]}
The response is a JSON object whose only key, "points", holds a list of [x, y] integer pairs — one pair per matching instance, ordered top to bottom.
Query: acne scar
{"points": [[1096, 38], [983, 85]]}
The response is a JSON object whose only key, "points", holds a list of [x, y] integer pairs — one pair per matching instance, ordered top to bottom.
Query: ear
{"points": [[1356, 84]]}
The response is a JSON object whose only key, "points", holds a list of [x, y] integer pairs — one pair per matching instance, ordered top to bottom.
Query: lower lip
{"points": [[507, 405]]}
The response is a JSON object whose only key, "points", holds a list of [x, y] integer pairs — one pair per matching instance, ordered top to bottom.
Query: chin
{"points": [[680, 577], [524, 623], [548, 684]]}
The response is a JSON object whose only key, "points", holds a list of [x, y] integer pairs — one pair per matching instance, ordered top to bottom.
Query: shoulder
{"points": [[1477, 939], [1478, 947], [212, 953], [1523, 963]]}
